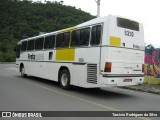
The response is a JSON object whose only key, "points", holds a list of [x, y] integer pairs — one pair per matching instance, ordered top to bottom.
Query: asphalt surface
{"points": [[36, 94]]}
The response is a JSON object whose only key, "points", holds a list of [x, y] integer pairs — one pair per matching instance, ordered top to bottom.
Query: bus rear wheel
{"points": [[64, 79]]}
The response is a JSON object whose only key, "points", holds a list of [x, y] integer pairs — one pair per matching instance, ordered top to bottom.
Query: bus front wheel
{"points": [[23, 71], [65, 79]]}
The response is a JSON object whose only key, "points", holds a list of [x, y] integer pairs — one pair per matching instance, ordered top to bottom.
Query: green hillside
{"points": [[27, 18]]}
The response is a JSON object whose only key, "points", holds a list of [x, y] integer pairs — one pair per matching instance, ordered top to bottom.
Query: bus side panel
{"points": [[86, 61]]}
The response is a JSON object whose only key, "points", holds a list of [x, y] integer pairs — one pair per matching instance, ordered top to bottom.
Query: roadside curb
{"points": [[137, 88]]}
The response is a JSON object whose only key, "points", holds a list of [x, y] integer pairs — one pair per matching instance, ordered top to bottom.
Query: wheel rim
{"points": [[64, 79]]}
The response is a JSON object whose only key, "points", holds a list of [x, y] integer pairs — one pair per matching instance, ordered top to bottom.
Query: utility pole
{"points": [[61, 2], [98, 7]]}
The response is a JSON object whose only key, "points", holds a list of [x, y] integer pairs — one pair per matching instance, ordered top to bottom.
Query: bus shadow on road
{"points": [[41, 81], [108, 93]]}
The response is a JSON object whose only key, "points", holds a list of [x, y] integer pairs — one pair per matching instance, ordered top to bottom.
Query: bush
{"points": [[7, 57]]}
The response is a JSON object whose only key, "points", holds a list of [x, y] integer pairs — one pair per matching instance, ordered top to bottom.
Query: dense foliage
{"points": [[27, 18]]}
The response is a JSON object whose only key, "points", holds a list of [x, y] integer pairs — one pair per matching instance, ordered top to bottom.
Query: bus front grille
{"points": [[92, 73]]}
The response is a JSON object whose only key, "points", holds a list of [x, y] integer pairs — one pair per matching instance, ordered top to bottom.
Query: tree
{"points": [[27, 18]]}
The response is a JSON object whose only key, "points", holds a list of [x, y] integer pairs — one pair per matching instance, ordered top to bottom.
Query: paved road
{"points": [[35, 94]]}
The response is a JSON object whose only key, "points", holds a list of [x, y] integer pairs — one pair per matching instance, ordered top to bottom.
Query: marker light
{"points": [[108, 66], [143, 68]]}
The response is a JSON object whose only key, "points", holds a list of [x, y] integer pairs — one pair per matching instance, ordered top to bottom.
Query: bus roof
{"points": [[90, 22]]}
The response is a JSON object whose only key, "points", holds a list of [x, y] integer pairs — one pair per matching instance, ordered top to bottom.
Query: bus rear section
{"points": [[122, 53]]}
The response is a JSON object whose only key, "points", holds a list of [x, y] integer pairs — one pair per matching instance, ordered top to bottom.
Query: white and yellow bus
{"points": [[102, 52]]}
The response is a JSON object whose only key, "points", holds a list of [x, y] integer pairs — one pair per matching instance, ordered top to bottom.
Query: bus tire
{"points": [[23, 71], [64, 79]]}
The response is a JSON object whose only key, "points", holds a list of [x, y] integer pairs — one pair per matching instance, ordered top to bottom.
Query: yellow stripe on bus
{"points": [[68, 29], [115, 41], [65, 54]]}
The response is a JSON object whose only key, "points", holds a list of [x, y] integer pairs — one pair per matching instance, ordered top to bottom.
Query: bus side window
{"points": [[96, 35], [84, 36], [80, 37], [75, 38], [66, 39], [59, 40], [62, 40], [49, 42], [39, 44], [30, 45], [24, 46], [18, 51]]}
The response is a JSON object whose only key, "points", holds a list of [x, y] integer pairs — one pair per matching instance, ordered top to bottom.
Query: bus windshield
{"points": [[125, 23]]}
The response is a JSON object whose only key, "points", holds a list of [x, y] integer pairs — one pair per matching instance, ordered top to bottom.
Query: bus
{"points": [[102, 52]]}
